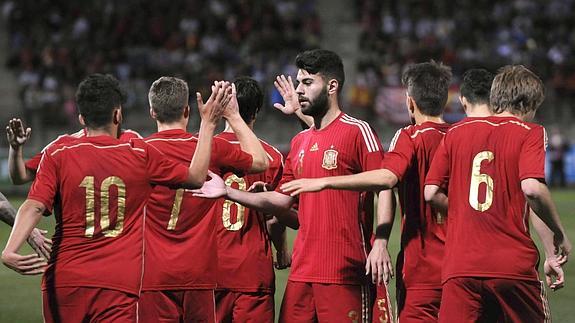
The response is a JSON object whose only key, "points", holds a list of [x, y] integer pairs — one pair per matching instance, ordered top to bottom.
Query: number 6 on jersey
{"points": [[476, 179]]}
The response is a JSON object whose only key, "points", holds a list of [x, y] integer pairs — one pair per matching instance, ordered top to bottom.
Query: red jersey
{"points": [[485, 160], [32, 163], [103, 185], [335, 225], [422, 232], [181, 245], [245, 262]]}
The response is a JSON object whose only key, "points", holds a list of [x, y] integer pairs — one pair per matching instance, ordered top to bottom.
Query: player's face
{"points": [[312, 93]]}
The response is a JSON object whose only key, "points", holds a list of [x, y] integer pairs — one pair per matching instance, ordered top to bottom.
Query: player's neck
{"points": [[478, 111], [331, 114], [507, 114], [421, 118], [178, 125], [229, 128], [111, 131]]}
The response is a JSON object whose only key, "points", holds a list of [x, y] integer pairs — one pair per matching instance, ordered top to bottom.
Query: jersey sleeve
{"points": [[369, 149], [231, 158], [532, 158], [398, 159], [34, 162], [161, 169], [439, 170], [275, 174], [45, 184]]}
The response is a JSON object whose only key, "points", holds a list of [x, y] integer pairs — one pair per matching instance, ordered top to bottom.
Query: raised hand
{"points": [[287, 90], [232, 108], [212, 110], [16, 134], [303, 185], [212, 189], [38, 241], [379, 264], [25, 265], [554, 275]]}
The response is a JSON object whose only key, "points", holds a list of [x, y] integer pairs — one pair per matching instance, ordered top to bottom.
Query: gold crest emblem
{"points": [[314, 147], [329, 159]]}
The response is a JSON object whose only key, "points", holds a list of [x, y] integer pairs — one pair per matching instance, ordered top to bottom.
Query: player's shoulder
{"points": [[355, 125], [427, 129], [128, 134], [273, 153]]}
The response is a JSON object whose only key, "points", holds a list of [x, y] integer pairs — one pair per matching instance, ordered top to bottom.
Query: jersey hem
{"points": [[489, 275], [303, 279], [90, 285], [178, 287], [246, 290]]}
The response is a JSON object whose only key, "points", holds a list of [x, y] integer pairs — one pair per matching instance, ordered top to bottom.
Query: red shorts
{"points": [[468, 299], [313, 302], [88, 304], [418, 305], [177, 306], [243, 307], [382, 311]]}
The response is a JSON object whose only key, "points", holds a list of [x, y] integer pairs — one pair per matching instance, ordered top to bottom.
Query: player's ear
{"points": [[332, 86], [463, 102], [410, 104], [186, 112], [152, 113], [117, 116], [81, 119]]}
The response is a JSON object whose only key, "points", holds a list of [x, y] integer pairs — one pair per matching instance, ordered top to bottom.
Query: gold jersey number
{"points": [[477, 178], [89, 185], [227, 207]]}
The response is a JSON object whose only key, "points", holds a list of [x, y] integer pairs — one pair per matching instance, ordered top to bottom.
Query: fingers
{"points": [[199, 100], [28, 133], [381, 273]]}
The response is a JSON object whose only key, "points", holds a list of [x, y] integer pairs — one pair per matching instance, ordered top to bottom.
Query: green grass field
{"points": [[20, 297]]}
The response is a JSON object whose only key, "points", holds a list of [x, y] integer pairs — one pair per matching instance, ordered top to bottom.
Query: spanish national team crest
{"points": [[329, 159]]}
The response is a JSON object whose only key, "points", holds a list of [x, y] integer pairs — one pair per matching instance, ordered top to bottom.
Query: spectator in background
{"points": [[557, 150]]}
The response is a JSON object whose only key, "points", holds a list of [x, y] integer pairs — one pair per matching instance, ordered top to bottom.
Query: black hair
{"points": [[324, 62], [428, 84], [476, 85], [96, 97], [250, 97]]}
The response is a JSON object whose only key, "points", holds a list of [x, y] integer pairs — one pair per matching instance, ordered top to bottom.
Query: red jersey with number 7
{"points": [[485, 160], [103, 185], [422, 230], [181, 245], [245, 262]]}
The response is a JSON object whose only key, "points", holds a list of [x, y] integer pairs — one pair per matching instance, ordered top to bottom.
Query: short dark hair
{"points": [[324, 62], [428, 84], [476, 85], [517, 90], [96, 97], [168, 97], [250, 97]]}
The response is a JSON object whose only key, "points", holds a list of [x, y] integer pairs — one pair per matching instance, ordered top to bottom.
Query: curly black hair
{"points": [[97, 96]]}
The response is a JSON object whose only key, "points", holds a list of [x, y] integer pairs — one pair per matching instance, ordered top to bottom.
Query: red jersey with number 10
{"points": [[485, 160], [103, 185], [422, 231], [333, 239], [181, 245], [245, 262]]}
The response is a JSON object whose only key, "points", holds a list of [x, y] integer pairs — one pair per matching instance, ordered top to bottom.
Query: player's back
{"points": [[102, 186], [488, 214], [180, 227], [423, 230], [244, 249]]}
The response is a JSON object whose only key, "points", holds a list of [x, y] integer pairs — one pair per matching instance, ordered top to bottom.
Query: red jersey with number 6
{"points": [[485, 160], [103, 185], [422, 230], [333, 239], [181, 245], [245, 262]]}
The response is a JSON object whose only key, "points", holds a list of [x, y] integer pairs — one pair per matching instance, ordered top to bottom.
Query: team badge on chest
{"points": [[329, 159]]}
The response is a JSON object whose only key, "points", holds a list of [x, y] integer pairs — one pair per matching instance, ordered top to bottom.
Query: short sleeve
{"points": [[369, 149], [401, 151], [231, 158], [532, 158], [34, 162], [161, 169], [439, 170], [274, 175], [45, 184]]}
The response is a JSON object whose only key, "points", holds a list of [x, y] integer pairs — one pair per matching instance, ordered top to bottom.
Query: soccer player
{"points": [[405, 166], [495, 168], [22, 172], [103, 185], [327, 281], [177, 288], [245, 288]]}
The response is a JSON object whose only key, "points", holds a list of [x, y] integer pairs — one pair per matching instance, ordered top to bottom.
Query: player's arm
{"points": [[291, 101], [210, 114], [17, 137], [248, 140], [373, 180], [437, 197], [539, 199], [267, 202], [28, 217], [277, 232], [37, 238], [378, 262], [552, 267]]}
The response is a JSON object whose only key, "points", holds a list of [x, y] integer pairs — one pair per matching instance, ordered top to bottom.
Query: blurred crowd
{"points": [[468, 33], [55, 43]]}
